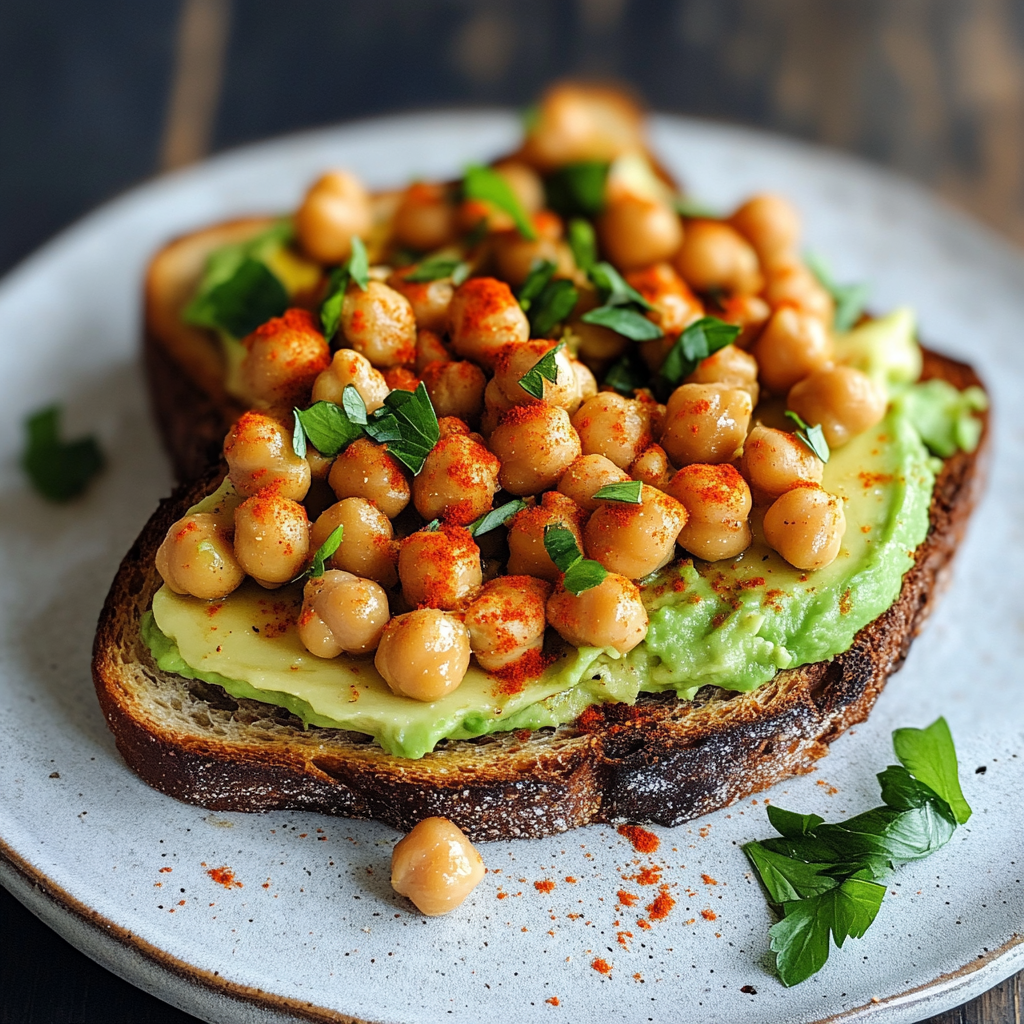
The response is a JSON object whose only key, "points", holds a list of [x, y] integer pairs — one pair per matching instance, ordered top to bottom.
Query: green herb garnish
{"points": [[487, 185], [577, 190], [686, 206], [583, 243], [438, 267], [357, 269], [541, 272], [613, 288], [250, 297], [850, 299], [546, 302], [619, 312], [701, 339], [545, 369], [628, 373], [407, 423], [327, 428], [812, 437], [59, 470], [629, 491], [496, 517], [326, 552], [579, 573], [824, 877]]}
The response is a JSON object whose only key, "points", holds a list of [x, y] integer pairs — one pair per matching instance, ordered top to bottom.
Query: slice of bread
{"points": [[662, 760]]}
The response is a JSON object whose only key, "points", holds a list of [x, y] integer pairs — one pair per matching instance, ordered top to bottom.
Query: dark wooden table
{"points": [[43, 980]]}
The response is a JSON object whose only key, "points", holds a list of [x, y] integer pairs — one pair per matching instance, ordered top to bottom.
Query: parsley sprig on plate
{"points": [[59, 470], [824, 878]]}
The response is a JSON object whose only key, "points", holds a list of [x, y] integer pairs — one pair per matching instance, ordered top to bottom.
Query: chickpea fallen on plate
{"points": [[435, 866]]}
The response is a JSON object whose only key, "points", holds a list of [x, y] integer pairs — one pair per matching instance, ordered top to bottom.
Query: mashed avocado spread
{"points": [[731, 624]]}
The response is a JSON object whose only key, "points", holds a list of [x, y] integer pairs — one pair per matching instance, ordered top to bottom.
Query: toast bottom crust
{"points": [[662, 760]]}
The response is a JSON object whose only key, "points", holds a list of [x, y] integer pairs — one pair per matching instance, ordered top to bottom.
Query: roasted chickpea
{"points": [[525, 183], [335, 209], [425, 218], [771, 224], [635, 232], [515, 255], [716, 257], [792, 284], [429, 299], [675, 306], [749, 313], [483, 318], [379, 323], [594, 343], [792, 346], [430, 349], [282, 360], [515, 361], [729, 365], [349, 367], [401, 378], [586, 384], [455, 389], [843, 400], [705, 423], [449, 425], [616, 427], [536, 444], [259, 454], [775, 461], [653, 467], [366, 470], [589, 474], [458, 481], [718, 501], [806, 526], [271, 538], [635, 540], [366, 548], [527, 554], [197, 557], [439, 568], [342, 614], [608, 615], [507, 620], [423, 654], [435, 866]]}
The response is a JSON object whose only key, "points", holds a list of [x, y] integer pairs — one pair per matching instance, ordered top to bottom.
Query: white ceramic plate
{"points": [[313, 930]]}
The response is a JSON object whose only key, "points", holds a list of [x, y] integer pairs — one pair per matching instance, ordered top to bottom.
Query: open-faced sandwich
{"points": [[549, 499]]}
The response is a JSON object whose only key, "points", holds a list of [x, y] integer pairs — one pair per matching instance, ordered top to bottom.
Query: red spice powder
{"points": [[515, 675], [642, 840], [164, 871], [224, 876], [647, 876], [570, 879], [708, 880], [544, 886], [627, 899], [662, 905], [709, 915], [642, 923], [622, 938], [602, 966], [553, 1000]]}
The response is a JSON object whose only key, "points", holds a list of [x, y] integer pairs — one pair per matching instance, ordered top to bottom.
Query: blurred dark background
{"points": [[97, 96]]}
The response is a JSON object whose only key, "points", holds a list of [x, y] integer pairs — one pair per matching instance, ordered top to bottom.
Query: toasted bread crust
{"points": [[662, 760]]}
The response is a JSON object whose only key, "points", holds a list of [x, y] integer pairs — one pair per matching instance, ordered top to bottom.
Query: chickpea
{"points": [[582, 122], [525, 183], [336, 208], [425, 218], [771, 224], [635, 232], [515, 255], [716, 257], [792, 284], [429, 299], [675, 306], [748, 312], [484, 317], [380, 324], [594, 343], [792, 346], [430, 349], [282, 360], [515, 361], [729, 365], [350, 367], [401, 378], [586, 384], [456, 388], [845, 401], [705, 423], [449, 425], [614, 426], [536, 444], [259, 454], [775, 461], [653, 467], [366, 470], [589, 474], [458, 481], [718, 501], [806, 526], [271, 538], [635, 540], [366, 548], [527, 554], [197, 557], [439, 568], [342, 614], [608, 615], [507, 620], [423, 654], [435, 866]]}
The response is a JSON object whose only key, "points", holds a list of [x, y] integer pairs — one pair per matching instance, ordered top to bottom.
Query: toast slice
{"points": [[662, 760]]}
